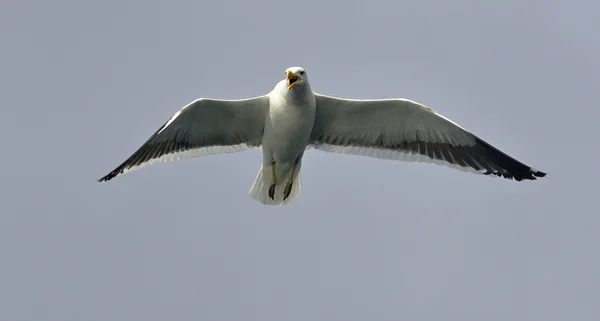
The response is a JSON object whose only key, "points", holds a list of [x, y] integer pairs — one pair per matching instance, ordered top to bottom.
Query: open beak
{"points": [[292, 79]]}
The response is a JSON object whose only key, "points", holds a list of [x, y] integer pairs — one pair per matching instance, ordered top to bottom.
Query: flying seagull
{"points": [[292, 117]]}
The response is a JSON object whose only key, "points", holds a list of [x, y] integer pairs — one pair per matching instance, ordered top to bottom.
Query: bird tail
{"points": [[260, 189]]}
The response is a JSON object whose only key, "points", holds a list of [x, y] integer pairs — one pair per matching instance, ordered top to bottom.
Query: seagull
{"points": [[291, 118]]}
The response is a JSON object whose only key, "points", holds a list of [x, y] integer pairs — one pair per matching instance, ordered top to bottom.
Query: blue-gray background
{"points": [[84, 83]]}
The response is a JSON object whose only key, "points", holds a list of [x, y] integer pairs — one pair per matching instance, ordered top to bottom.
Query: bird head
{"points": [[295, 76]]}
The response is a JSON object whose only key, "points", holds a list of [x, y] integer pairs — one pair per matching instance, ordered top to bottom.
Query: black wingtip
{"points": [[510, 167], [533, 174], [530, 175], [109, 176]]}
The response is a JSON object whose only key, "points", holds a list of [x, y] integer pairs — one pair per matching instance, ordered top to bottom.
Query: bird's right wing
{"points": [[204, 127]]}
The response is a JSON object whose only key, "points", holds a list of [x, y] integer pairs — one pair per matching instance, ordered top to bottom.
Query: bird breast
{"points": [[288, 128]]}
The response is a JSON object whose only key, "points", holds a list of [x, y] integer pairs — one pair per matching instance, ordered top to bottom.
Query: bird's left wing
{"points": [[203, 127], [401, 129]]}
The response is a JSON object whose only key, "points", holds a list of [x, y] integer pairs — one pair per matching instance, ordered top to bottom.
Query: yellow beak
{"points": [[292, 79]]}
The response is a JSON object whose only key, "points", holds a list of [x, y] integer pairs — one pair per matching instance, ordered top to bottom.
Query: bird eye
{"points": [[302, 72]]}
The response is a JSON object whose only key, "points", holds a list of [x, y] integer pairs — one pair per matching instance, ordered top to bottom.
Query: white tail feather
{"points": [[260, 189]]}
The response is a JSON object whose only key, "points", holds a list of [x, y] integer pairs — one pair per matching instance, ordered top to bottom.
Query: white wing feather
{"points": [[203, 127], [401, 129]]}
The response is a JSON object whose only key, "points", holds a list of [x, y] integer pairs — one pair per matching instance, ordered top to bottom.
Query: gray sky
{"points": [[83, 84]]}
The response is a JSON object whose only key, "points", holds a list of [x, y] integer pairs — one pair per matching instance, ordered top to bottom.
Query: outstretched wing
{"points": [[204, 127], [401, 129]]}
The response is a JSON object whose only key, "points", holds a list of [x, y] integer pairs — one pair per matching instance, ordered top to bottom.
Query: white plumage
{"points": [[292, 117]]}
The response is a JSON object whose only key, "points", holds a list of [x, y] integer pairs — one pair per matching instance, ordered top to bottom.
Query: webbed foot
{"points": [[273, 181], [288, 189], [272, 191]]}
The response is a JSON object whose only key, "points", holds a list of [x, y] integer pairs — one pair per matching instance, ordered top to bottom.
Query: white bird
{"points": [[292, 117]]}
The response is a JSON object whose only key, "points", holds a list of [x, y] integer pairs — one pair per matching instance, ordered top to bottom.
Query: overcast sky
{"points": [[83, 84]]}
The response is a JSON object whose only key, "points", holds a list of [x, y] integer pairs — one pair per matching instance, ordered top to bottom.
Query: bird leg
{"points": [[273, 181], [290, 183]]}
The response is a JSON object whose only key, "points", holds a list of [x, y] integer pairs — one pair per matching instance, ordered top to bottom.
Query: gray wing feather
{"points": [[203, 127], [402, 129]]}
